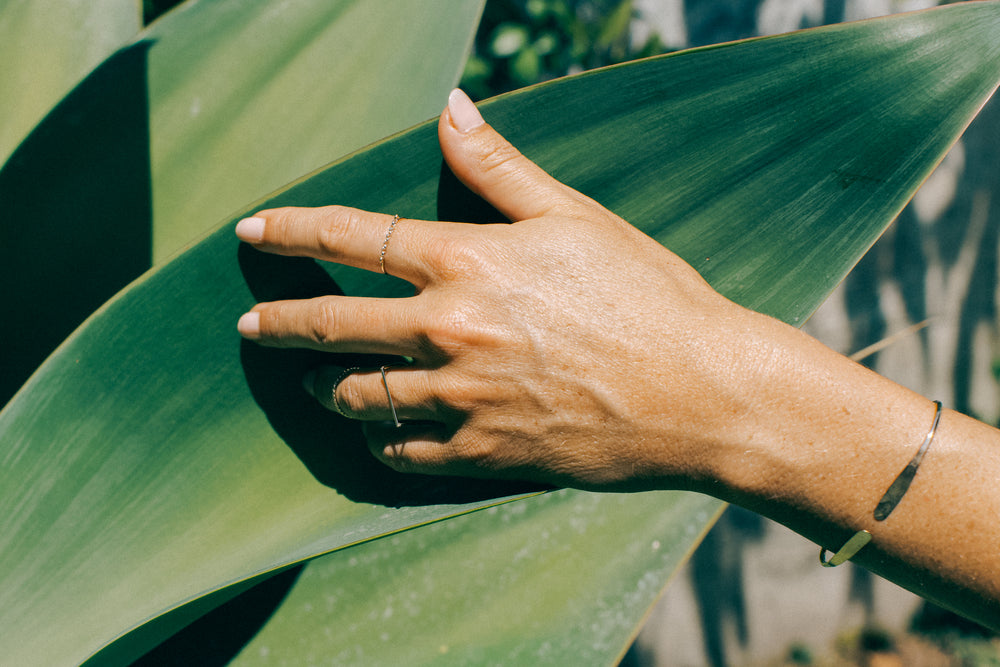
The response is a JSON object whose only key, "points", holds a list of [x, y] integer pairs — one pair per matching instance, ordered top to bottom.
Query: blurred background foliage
{"points": [[522, 42]]}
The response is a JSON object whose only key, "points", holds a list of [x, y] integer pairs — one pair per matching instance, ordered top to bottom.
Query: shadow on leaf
{"points": [[77, 203], [330, 446]]}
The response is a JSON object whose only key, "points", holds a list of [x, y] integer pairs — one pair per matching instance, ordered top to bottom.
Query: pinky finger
{"points": [[414, 447], [430, 448]]}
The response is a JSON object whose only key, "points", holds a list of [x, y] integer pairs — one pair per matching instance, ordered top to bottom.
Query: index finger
{"points": [[372, 241]]}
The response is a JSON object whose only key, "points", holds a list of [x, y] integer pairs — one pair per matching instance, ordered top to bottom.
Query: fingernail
{"points": [[464, 114], [250, 230], [249, 325], [309, 382]]}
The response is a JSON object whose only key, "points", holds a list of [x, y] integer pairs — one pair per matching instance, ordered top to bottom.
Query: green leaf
{"points": [[47, 47], [247, 97], [213, 106], [160, 459], [555, 581]]}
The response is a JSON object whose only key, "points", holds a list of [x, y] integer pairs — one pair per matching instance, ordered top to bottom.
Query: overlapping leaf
{"points": [[245, 97], [213, 106], [160, 459]]}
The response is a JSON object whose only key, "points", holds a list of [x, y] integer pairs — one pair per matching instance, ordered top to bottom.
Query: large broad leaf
{"points": [[47, 47], [245, 97], [215, 105], [158, 458], [559, 580], [553, 581]]}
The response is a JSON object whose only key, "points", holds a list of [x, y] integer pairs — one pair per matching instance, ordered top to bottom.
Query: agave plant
{"points": [[155, 466]]}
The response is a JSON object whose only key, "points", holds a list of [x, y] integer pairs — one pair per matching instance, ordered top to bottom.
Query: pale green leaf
{"points": [[47, 47], [245, 97], [556, 581]]}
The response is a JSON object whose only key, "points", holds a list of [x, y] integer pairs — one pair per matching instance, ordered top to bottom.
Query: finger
{"points": [[492, 168], [373, 241], [337, 324], [321, 383], [401, 394], [414, 447], [433, 448]]}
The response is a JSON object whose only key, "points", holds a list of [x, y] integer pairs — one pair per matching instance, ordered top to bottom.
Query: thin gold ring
{"points": [[385, 243]]}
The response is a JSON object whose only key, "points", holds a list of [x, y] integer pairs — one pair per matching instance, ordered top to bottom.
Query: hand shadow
{"points": [[332, 447]]}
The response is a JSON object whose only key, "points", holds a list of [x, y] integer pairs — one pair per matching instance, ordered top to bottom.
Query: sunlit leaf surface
{"points": [[47, 47], [245, 97], [158, 458], [558, 580]]}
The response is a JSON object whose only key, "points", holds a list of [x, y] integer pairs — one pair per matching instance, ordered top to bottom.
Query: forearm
{"points": [[827, 437]]}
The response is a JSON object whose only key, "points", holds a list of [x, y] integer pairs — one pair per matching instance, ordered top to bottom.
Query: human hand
{"points": [[567, 347]]}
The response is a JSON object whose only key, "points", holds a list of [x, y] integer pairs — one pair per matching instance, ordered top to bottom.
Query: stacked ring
{"points": [[343, 376], [336, 385]]}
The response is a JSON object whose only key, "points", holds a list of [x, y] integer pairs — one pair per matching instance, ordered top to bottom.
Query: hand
{"points": [[567, 347]]}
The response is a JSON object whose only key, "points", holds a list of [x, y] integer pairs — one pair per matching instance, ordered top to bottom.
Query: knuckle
{"points": [[499, 156], [339, 223], [461, 258], [322, 322], [458, 328], [459, 396], [350, 397], [477, 452], [386, 453], [394, 453]]}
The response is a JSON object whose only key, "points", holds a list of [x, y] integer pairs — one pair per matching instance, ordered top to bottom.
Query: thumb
{"points": [[496, 171]]}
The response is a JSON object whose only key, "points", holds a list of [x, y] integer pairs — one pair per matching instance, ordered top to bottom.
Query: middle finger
{"points": [[339, 324]]}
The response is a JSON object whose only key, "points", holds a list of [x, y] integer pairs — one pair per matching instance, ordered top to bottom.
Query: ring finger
{"points": [[338, 324], [390, 393]]}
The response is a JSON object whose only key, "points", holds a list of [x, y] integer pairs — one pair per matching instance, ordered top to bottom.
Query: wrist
{"points": [[821, 436]]}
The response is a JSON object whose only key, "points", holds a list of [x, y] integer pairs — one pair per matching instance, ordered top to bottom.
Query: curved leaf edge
{"points": [[684, 559], [162, 625]]}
